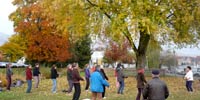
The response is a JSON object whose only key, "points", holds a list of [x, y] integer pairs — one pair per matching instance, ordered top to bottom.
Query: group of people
{"points": [[29, 76], [95, 78], [97, 81], [157, 89]]}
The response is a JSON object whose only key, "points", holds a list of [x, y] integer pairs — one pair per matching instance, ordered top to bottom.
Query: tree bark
{"points": [[142, 48]]}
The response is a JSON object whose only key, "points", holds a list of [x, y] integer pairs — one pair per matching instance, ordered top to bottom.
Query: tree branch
{"points": [[101, 8], [128, 36]]}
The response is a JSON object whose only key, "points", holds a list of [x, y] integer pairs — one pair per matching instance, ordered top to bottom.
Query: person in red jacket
{"points": [[29, 78]]}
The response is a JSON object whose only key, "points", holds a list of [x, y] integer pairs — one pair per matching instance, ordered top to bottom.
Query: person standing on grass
{"points": [[9, 74], [36, 74], [115, 74], [54, 75], [87, 76], [29, 78], [69, 78], [106, 78], [120, 79], [189, 79], [76, 81], [97, 82], [140, 82], [155, 88]]}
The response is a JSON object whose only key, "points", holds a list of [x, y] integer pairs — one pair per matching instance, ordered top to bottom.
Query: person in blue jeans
{"points": [[54, 75], [29, 78], [120, 79]]}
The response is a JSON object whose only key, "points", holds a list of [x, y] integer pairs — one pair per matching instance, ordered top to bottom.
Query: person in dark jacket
{"points": [[9, 74], [36, 74], [54, 75], [87, 76], [29, 78], [69, 78], [106, 78], [120, 79], [76, 81], [97, 81], [140, 82], [155, 88]]}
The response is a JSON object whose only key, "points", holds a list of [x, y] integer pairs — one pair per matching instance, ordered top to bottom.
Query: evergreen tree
{"points": [[82, 51]]}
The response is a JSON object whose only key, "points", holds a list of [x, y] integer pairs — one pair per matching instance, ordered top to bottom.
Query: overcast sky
{"points": [[6, 27]]}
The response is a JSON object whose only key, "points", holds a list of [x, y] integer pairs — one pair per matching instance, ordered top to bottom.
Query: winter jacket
{"points": [[36, 71], [54, 73], [87, 73], [28, 74], [69, 74], [120, 75], [76, 76], [140, 80], [97, 82], [155, 90]]}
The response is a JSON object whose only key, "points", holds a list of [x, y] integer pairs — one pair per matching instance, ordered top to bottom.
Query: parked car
{"points": [[3, 64], [15, 65], [180, 70], [196, 72]]}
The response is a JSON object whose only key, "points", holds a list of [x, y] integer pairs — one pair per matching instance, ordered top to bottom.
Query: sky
{"points": [[6, 27]]}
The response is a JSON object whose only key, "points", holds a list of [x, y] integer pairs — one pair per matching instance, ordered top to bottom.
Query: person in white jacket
{"points": [[189, 79]]}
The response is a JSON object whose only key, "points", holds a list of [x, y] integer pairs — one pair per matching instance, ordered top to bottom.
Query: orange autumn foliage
{"points": [[44, 41]]}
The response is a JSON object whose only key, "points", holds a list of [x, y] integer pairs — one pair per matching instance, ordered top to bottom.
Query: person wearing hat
{"points": [[155, 89]]}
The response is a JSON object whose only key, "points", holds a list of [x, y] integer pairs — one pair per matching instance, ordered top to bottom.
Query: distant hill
{"points": [[3, 38]]}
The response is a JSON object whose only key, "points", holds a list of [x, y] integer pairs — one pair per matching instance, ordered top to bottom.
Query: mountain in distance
{"points": [[3, 38]]}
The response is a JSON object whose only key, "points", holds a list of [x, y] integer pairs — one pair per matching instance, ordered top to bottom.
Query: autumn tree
{"points": [[175, 21], [44, 42], [14, 48], [117, 52], [1, 56]]}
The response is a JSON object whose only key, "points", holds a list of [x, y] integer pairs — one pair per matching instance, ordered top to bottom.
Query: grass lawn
{"points": [[176, 88]]}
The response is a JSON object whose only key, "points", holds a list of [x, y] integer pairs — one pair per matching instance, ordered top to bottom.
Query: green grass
{"points": [[176, 88]]}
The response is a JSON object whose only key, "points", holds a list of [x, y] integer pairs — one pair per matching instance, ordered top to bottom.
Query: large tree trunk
{"points": [[142, 48], [141, 51], [140, 60]]}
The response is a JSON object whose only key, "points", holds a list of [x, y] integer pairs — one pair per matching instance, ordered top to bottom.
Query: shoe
{"points": [[104, 97]]}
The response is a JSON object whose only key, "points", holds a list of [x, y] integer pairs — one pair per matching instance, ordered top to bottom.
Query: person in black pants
{"points": [[87, 76], [105, 77], [76, 78]]}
